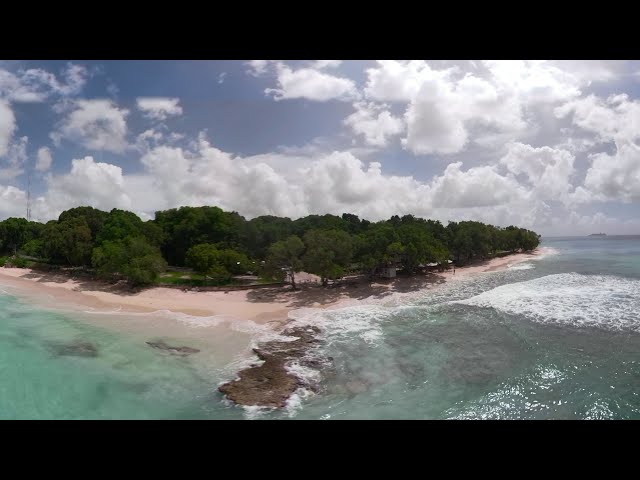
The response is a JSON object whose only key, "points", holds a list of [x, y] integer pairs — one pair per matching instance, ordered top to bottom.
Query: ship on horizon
{"points": [[598, 235]]}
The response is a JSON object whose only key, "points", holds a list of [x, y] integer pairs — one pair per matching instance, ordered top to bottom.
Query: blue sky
{"points": [[549, 145]]}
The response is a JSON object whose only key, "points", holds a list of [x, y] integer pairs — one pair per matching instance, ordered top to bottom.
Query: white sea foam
{"points": [[545, 252], [520, 266], [569, 298], [95, 311], [345, 323], [236, 324], [260, 332], [308, 375], [295, 401], [293, 405], [253, 412]]}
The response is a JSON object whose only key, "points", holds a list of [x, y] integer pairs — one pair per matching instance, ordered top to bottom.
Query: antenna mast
{"points": [[29, 197]]}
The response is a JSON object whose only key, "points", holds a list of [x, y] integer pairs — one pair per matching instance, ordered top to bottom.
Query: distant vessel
{"points": [[598, 235]]}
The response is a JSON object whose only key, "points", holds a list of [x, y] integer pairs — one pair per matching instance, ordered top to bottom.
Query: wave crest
{"points": [[568, 298]]}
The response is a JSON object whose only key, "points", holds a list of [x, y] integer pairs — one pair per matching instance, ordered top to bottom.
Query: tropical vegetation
{"points": [[218, 245]]}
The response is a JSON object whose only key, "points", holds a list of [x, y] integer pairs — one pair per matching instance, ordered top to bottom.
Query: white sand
{"points": [[492, 265], [260, 306]]}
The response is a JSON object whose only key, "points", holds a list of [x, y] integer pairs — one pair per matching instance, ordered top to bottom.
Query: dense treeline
{"points": [[219, 244]]}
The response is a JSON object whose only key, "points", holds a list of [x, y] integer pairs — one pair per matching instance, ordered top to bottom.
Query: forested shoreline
{"points": [[218, 245]]}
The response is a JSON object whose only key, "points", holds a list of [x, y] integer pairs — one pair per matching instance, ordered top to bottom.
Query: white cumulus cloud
{"points": [[320, 64], [311, 84], [36, 85], [448, 107], [159, 108], [616, 118], [374, 122], [94, 124], [7, 126], [16, 158], [44, 159], [547, 169], [617, 176], [96, 184]]}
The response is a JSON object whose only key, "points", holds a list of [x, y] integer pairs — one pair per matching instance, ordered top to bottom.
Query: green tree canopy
{"points": [[93, 217], [118, 225], [188, 226], [15, 232], [68, 242], [328, 253], [287, 254], [133, 258], [208, 260]]}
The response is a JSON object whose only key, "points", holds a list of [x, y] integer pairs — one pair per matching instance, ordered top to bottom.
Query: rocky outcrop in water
{"points": [[75, 349], [182, 351], [270, 384]]}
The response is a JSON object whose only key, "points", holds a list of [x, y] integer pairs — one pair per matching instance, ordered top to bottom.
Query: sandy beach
{"points": [[262, 306], [265, 314]]}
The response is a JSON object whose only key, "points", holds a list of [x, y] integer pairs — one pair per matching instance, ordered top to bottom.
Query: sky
{"points": [[547, 145]]}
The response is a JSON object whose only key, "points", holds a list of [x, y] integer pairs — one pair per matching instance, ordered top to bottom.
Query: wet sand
{"points": [[262, 306]]}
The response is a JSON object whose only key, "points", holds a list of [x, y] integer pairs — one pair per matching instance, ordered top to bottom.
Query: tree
{"points": [[93, 217], [319, 222], [353, 223], [118, 225], [186, 227], [14, 232], [262, 232], [153, 233], [510, 238], [529, 241], [67, 242], [460, 242], [419, 244], [325, 245], [373, 246], [33, 248], [328, 253], [393, 253], [287, 254], [133, 258], [204, 258], [110, 259], [144, 261], [210, 261], [235, 262]]}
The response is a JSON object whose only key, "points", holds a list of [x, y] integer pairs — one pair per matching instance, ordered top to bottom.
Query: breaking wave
{"points": [[521, 266], [569, 298], [343, 324]]}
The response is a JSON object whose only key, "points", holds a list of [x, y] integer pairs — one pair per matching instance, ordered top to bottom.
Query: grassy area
{"points": [[177, 274], [172, 277], [187, 282]]}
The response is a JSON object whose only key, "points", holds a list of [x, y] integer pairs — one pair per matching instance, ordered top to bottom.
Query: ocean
{"points": [[555, 337]]}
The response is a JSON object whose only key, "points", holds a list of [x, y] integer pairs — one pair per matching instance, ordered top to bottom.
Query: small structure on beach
{"points": [[430, 267], [388, 272]]}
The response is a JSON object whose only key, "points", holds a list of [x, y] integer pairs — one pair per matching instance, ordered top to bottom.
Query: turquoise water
{"points": [[553, 338], [42, 375]]}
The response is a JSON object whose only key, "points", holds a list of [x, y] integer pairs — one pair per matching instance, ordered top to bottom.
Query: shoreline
{"points": [[262, 306], [273, 382], [269, 383]]}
